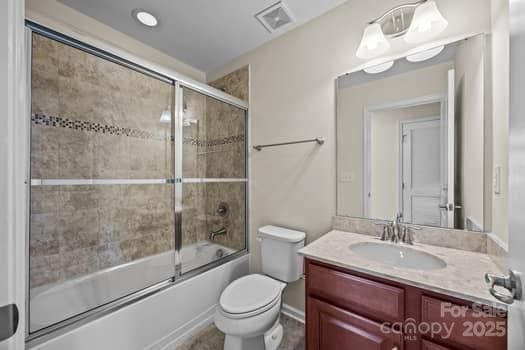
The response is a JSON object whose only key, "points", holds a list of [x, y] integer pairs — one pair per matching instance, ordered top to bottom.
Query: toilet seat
{"points": [[250, 295]]}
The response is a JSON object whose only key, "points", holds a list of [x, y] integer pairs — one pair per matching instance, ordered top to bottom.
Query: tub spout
{"points": [[220, 232]]}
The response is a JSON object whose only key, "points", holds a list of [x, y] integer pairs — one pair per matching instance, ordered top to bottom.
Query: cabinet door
{"points": [[332, 328], [468, 328], [428, 345]]}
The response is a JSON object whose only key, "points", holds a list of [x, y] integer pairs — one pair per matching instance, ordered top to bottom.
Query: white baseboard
{"points": [[292, 312], [180, 335]]}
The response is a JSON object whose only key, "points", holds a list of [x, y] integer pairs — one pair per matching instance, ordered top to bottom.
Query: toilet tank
{"points": [[279, 247]]}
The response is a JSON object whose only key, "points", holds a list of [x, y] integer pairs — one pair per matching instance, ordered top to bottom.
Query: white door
{"points": [[517, 168], [421, 171], [12, 221]]}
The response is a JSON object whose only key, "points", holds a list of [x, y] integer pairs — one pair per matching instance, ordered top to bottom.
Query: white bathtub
{"points": [[51, 305]]}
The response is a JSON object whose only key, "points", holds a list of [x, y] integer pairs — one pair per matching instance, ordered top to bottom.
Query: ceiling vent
{"points": [[276, 16]]}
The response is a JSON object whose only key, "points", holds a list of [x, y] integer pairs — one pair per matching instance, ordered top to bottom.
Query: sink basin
{"points": [[399, 256]]}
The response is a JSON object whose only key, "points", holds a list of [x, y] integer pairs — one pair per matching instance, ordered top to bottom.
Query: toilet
{"points": [[249, 308]]}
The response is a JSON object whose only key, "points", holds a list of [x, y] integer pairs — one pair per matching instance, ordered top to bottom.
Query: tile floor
{"points": [[212, 339]]}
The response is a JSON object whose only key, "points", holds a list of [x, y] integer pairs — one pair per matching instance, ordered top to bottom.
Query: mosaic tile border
{"points": [[41, 119], [44, 120], [209, 143]]}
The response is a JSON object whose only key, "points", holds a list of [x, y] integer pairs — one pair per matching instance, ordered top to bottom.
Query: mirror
{"points": [[414, 140]]}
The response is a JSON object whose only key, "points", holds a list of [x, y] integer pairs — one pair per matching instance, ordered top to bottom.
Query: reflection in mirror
{"points": [[412, 139]]}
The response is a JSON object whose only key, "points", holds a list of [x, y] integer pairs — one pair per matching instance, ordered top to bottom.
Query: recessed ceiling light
{"points": [[145, 17], [425, 55], [380, 68]]}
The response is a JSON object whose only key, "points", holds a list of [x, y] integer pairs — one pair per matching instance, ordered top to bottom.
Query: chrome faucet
{"points": [[395, 231], [220, 232]]}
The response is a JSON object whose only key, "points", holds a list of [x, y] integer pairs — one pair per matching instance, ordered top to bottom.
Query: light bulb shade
{"points": [[426, 24], [373, 43], [425, 55], [379, 68], [165, 117]]}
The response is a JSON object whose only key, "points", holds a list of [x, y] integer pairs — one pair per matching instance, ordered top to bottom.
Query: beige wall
{"points": [[66, 20], [292, 97], [351, 104], [500, 112], [470, 117], [385, 157]]}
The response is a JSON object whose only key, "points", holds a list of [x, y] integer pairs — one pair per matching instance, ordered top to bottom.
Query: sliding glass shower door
{"points": [[214, 179], [136, 181], [102, 210]]}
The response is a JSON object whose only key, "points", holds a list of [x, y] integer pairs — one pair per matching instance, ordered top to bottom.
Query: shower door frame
{"points": [[178, 81]]}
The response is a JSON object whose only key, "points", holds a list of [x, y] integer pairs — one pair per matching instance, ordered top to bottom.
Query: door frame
{"points": [[367, 114], [442, 145], [14, 158], [516, 311]]}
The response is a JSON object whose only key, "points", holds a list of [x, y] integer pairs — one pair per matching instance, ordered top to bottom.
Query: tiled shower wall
{"points": [[94, 119], [219, 153], [227, 159], [194, 224]]}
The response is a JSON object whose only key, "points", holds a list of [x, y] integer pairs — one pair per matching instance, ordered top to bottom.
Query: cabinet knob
{"points": [[395, 348]]}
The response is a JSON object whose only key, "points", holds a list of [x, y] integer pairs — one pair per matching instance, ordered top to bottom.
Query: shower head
{"points": [[190, 121]]}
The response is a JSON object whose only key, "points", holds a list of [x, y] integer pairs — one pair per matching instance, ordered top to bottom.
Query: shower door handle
{"points": [[8, 321]]}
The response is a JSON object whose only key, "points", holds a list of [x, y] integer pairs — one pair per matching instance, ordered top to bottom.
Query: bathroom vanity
{"points": [[412, 146], [354, 302]]}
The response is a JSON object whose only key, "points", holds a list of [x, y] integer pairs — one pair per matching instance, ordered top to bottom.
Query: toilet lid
{"points": [[250, 293]]}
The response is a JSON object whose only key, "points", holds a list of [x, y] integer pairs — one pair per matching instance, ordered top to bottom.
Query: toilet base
{"points": [[267, 341], [237, 343]]}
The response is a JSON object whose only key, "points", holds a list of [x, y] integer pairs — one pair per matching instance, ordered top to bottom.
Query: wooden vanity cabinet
{"points": [[348, 310], [331, 327]]}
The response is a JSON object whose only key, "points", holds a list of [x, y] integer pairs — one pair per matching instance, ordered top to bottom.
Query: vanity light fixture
{"points": [[145, 17], [416, 22], [427, 23], [374, 42], [425, 55], [379, 68], [165, 117], [189, 121]]}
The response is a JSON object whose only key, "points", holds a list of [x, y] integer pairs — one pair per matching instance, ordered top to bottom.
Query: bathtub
{"points": [[49, 305]]}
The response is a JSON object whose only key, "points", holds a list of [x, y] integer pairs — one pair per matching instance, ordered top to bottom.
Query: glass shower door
{"points": [[213, 179], [102, 199]]}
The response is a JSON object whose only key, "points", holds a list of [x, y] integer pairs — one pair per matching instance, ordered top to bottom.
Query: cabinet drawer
{"points": [[376, 300], [466, 326], [332, 328]]}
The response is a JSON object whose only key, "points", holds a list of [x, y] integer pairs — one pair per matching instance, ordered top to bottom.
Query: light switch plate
{"points": [[346, 178], [497, 180]]}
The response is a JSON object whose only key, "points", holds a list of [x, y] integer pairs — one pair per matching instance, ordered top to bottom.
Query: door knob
{"points": [[449, 206], [512, 283], [8, 321]]}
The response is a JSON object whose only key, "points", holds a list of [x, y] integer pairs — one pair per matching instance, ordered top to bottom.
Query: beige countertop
{"points": [[463, 277]]}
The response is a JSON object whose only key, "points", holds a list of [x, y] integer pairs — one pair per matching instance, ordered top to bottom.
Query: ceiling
{"points": [[202, 33]]}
